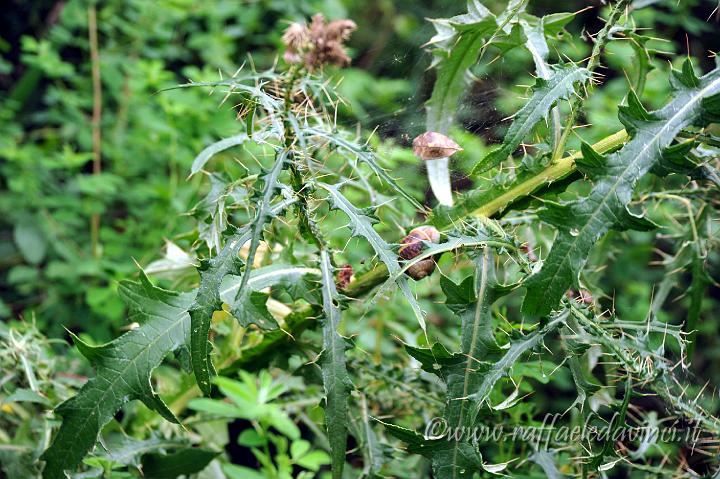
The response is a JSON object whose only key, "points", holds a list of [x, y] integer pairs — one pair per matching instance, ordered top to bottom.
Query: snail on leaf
{"points": [[412, 245]]}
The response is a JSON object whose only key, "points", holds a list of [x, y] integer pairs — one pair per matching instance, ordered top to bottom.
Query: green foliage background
{"points": [[51, 274]]}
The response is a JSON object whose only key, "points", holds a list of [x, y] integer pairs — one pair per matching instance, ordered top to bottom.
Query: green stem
{"points": [[593, 62], [709, 140], [492, 202], [308, 228]]}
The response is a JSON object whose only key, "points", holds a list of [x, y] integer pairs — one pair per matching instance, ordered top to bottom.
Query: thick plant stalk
{"points": [[439, 176]]}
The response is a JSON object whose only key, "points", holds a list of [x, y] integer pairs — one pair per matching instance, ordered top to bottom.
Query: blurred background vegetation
{"points": [[55, 272]]}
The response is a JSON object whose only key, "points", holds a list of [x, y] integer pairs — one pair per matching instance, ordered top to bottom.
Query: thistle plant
{"points": [[268, 244]]}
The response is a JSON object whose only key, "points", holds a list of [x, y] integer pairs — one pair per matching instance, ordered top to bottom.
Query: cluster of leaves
{"points": [[525, 335]]}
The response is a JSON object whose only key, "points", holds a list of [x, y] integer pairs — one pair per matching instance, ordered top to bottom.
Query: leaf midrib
{"points": [[473, 342]]}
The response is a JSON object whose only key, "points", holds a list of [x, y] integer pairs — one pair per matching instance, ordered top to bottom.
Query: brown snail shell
{"points": [[432, 145], [412, 246], [421, 269]]}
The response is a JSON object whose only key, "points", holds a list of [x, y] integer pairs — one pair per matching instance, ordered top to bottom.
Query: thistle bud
{"points": [[344, 276], [583, 296]]}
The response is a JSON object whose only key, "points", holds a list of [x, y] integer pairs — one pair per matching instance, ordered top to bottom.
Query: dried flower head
{"points": [[295, 36], [295, 39], [320, 44], [433, 146]]}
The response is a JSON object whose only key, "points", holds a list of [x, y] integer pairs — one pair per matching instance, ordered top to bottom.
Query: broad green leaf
{"points": [[546, 94], [582, 222], [361, 224], [123, 369], [334, 370], [26, 395], [220, 408], [251, 438], [299, 448], [313, 460], [239, 472]]}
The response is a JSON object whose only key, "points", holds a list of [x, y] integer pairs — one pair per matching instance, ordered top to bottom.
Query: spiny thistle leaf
{"points": [[455, 48], [538, 48], [547, 93], [252, 96], [215, 148], [364, 155], [264, 212], [581, 223], [362, 225], [454, 242], [290, 277], [208, 299], [249, 305], [478, 348], [512, 355], [124, 367], [334, 370], [469, 375], [431, 448], [375, 453]]}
